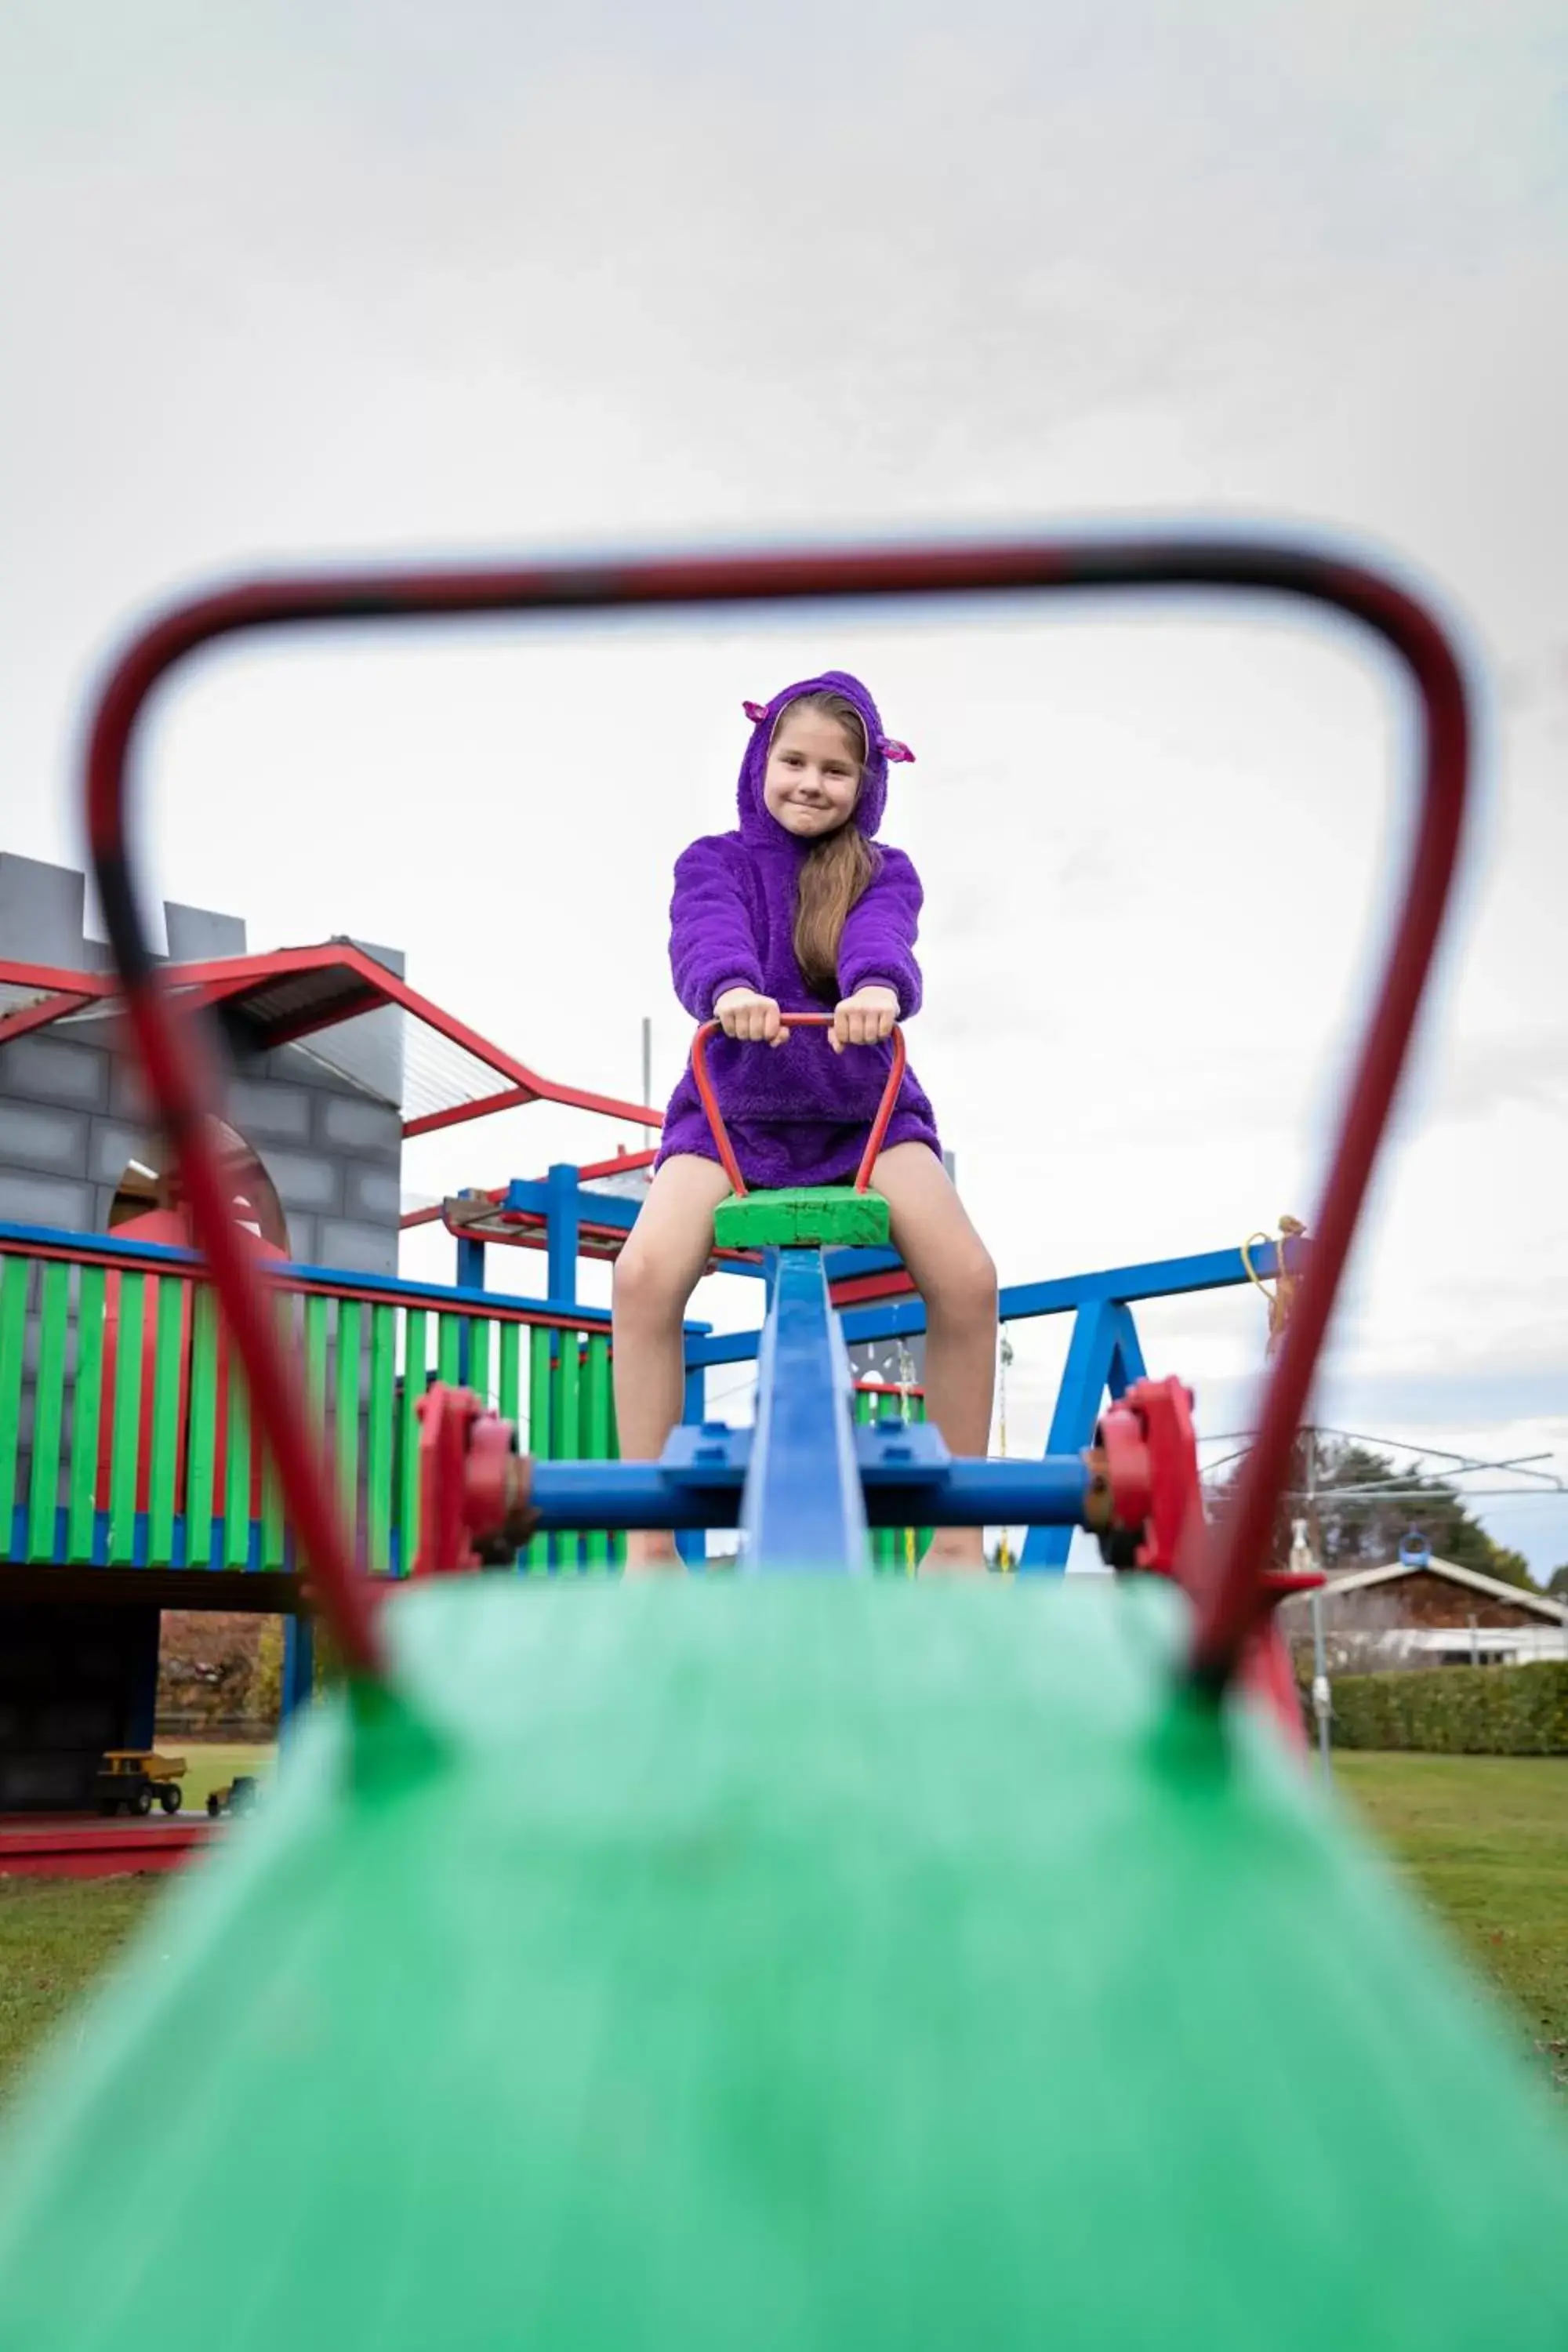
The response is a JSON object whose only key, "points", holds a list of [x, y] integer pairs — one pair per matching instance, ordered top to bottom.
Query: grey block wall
{"points": [[72, 1114]]}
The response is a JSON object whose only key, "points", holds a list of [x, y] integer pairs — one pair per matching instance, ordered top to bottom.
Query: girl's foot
{"points": [[955, 1552], [649, 1553]]}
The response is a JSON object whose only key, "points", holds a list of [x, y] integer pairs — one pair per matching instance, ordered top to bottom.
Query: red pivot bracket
{"points": [[475, 1509]]}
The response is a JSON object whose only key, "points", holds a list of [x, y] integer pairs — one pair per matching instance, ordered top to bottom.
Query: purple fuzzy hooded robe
{"points": [[797, 1114]]}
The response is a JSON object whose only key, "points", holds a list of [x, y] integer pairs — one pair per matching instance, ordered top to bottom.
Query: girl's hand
{"points": [[865, 1018], [753, 1019]]}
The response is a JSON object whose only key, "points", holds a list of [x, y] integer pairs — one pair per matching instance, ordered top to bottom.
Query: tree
{"points": [[1364, 1508], [1558, 1581]]}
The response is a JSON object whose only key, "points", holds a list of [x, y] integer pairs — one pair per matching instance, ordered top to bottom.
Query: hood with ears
{"points": [[881, 750]]}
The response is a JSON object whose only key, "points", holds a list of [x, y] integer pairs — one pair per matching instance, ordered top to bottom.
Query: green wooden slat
{"points": [[13, 1337], [449, 1349], [480, 1357], [316, 1363], [168, 1365], [315, 1373], [414, 1375], [509, 1391], [87, 1397], [567, 1406], [49, 1410], [346, 1417], [566, 1417], [541, 1425], [596, 1431], [379, 1437], [125, 1451], [201, 1453], [237, 1471], [273, 1530], [617, 1537], [273, 1552]]}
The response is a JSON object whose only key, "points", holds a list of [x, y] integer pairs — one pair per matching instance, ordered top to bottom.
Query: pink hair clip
{"points": [[756, 711], [895, 751]]}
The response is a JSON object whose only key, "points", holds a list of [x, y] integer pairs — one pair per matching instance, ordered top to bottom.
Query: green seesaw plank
{"points": [[832, 1216], [86, 1400], [49, 1410], [819, 1965]]}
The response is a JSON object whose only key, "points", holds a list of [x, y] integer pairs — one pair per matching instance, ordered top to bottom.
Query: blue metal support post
{"points": [[564, 1220], [470, 1276], [1104, 1354], [691, 1543], [299, 1671]]}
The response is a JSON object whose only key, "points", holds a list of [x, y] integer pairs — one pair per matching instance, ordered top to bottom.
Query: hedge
{"points": [[1457, 1710]]}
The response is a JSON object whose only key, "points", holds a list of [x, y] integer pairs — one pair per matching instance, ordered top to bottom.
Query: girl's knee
{"points": [[964, 1287], [641, 1288]]}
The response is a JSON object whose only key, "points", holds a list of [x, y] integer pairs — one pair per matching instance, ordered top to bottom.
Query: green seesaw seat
{"points": [[806, 1216], [830, 1216]]}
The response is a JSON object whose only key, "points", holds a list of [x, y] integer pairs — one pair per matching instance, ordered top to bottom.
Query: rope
{"points": [[1281, 1298]]}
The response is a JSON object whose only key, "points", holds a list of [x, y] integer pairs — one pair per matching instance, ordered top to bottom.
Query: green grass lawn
{"points": [[1483, 1838], [57, 1934]]}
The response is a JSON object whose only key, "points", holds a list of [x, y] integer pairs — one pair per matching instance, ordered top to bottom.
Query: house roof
{"points": [[1523, 1596]]}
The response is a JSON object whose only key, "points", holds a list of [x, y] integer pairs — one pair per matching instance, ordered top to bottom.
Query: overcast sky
{"points": [[322, 282]]}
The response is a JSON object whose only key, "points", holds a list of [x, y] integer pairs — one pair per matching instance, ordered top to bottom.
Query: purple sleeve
{"points": [[879, 937], [711, 946]]}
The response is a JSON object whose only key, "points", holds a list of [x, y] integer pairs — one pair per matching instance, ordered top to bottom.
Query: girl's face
{"points": [[813, 775]]}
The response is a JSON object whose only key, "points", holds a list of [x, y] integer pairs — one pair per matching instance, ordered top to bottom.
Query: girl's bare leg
{"points": [[953, 1271], [655, 1275]]}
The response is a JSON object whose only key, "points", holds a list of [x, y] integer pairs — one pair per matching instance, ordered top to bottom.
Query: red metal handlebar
{"points": [[720, 1133], [1227, 1572]]}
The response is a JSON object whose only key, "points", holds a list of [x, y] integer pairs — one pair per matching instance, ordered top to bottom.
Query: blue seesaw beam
{"points": [[907, 1478], [804, 1484], [803, 1506]]}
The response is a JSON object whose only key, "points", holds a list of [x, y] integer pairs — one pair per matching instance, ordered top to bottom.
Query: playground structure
{"points": [[133, 1475], [799, 1960]]}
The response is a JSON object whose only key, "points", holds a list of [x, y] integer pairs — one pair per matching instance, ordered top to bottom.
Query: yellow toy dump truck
{"points": [[128, 1779]]}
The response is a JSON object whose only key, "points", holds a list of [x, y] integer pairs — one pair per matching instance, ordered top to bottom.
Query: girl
{"points": [[801, 911]]}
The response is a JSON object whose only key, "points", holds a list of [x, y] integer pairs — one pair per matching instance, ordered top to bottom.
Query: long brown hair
{"points": [[835, 870]]}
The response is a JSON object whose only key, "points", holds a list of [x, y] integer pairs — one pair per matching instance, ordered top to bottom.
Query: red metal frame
{"points": [[220, 980], [720, 1133], [1225, 1567]]}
